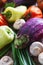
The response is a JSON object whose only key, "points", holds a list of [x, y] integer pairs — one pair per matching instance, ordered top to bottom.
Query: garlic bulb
{"points": [[36, 48]]}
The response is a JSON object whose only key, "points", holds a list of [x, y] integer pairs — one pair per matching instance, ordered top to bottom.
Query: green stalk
{"points": [[4, 50], [14, 55], [27, 56], [21, 57], [33, 63]]}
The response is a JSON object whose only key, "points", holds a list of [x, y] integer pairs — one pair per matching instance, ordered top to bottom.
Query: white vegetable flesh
{"points": [[18, 24], [36, 48], [40, 58], [7, 60]]}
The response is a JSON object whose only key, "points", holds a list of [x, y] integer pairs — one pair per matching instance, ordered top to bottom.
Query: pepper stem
{"points": [[3, 13], [7, 14]]}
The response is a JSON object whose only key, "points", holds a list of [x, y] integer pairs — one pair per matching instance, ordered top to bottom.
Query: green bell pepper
{"points": [[6, 35]]}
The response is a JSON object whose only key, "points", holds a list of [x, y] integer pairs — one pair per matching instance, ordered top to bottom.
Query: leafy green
{"points": [[11, 4]]}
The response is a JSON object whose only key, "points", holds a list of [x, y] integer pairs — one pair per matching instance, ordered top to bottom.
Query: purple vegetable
{"points": [[9, 0], [25, 2], [31, 31]]}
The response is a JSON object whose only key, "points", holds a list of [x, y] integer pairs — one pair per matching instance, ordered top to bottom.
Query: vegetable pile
{"points": [[21, 32]]}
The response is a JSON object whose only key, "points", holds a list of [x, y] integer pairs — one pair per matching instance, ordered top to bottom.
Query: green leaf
{"points": [[11, 4]]}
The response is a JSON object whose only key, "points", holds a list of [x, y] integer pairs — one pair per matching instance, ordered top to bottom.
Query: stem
{"points": [[3, 13], [8, 14], [26, 16], [22, 40], [4, 50], [14, 54], [27, 56], [21, 57], [33, 62]]}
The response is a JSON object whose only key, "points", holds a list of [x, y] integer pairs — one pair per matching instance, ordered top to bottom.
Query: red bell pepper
{"points": [[40, 4], [33, 11], [3, 20]]}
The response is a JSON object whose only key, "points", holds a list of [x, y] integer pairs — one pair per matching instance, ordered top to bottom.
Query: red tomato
{"points": [[33, 11], [3, 20]]}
